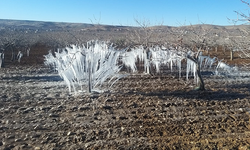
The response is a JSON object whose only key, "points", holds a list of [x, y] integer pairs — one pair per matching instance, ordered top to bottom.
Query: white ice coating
{"points": [[19, 56], [171, 57], [130, 58], [204, 61], [97, 62], [78, 64], [222, 67], [191, 69], [226, 70], [232, 73]]}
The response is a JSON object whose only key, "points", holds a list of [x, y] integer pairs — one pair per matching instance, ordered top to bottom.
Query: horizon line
{"points": [[119, 25]]}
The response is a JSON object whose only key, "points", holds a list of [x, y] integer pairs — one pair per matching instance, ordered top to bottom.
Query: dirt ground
{"points": [[139, 112]]}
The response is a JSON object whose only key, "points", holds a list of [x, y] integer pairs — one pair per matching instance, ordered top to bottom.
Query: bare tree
{"points": [[241, 16], [145, 35], [196, 38], [13, 41], [241, 45], [195, 59]]}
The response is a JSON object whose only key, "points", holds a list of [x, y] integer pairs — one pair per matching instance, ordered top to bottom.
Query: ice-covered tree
{"points": [[143, 37], [12, 41], [171, 57], [91, 66]]}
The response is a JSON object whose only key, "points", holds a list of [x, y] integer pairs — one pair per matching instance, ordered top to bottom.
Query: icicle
{"points": [[72, 64], [191, 68]]}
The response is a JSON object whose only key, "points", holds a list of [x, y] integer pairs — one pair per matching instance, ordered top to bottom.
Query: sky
{"points": [[124, 12]]}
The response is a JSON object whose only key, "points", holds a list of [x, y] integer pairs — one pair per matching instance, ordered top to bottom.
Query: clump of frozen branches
{"points": [[19, 56], [170, 57], [130, 58], [91, 65], [87, 66], [226, 70]]}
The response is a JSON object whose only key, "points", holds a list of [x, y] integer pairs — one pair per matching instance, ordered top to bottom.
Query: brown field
{"points": [[139, 112]]}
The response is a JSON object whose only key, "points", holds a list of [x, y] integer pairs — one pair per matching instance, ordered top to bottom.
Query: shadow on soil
{"points": [[39, 78], [209, 95], [219, 95]]}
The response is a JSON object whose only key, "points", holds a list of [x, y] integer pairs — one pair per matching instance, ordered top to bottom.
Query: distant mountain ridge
{"points": [[31, 23], [41, 24], [50, 25], [218, 35]]}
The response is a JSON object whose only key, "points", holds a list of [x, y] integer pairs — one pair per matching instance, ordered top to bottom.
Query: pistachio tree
{"points": [[87, 67]]}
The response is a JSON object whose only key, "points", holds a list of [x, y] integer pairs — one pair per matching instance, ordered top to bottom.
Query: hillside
{"points": [[42, 25], [210, 31], [41, 36]]}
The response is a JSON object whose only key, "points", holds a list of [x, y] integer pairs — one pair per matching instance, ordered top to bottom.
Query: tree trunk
{"points": [[28, 52], [12, 55], [231, 55], [1, 60], [147, 69], [90, 79], [201, 86]]}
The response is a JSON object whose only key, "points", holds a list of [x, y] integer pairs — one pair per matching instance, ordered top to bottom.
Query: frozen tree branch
{"points": [[89, 66]]}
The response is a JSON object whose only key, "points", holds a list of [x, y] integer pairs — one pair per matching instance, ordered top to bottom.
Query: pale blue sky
{"points": [[123, 12]]}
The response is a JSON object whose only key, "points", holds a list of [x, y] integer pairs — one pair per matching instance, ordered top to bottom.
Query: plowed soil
{"points": [[139, 112]]}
